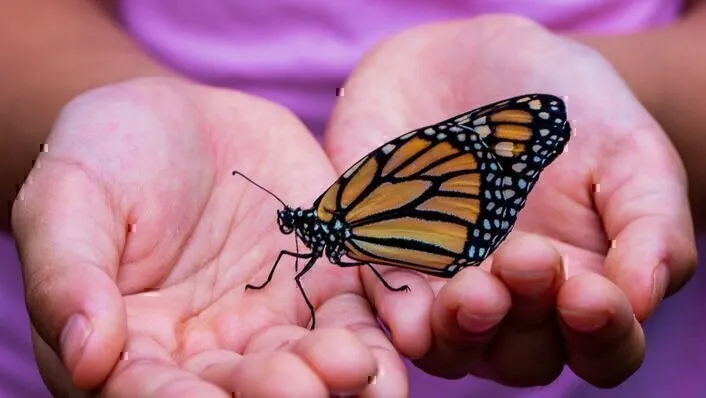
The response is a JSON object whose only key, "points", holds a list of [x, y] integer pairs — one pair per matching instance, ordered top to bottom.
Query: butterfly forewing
{"points": [[445, 196]]}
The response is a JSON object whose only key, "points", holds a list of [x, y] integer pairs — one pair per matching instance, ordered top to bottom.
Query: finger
{"points": [[645, 211], [69, 255], [354, 313], [405, 313], [465, 316], [605, 343], [528, 350], [336, 355], [339, 357], [147, 370], [262, 374], [275, 374]]}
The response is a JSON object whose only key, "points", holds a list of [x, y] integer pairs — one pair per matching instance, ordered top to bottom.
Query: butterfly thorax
{"points": [[318, 236]]}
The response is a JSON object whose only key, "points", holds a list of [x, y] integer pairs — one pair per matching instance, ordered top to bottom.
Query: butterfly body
{"points": [[436, 199]]}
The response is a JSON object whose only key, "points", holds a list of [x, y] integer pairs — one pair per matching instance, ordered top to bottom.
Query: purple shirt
{"points": [[297, 52]]}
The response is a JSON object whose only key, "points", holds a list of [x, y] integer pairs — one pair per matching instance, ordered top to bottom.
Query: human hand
{"points": [[132, 220], [583, 266]]}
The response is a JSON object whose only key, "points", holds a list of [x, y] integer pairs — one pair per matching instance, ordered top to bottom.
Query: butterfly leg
{"points": [[272, 271], [377, 273], [297, 278]]}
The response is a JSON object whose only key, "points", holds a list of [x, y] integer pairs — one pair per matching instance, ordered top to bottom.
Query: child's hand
{"points": [[620, 181], [133, 220]]}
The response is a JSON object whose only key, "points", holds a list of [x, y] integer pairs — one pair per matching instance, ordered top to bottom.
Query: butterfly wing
{"points": [[445, 196]]}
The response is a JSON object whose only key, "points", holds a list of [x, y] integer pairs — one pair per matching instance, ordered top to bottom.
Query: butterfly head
{"points": [[287, 219]]}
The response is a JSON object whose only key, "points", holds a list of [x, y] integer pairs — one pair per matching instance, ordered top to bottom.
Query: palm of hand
{"points": [[620, 184], [183, 237]]}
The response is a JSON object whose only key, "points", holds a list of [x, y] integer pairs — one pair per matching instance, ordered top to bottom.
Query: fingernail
{"points": [[660, 280], [583, 321], [475, 323], [73, 339]]}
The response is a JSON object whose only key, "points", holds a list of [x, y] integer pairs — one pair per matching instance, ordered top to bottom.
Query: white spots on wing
{"points": [[523, 99], [535, 104], [543, 115], [463, 119], [480, 121], [455, 129], [429, 131], [483, 131], [543, 132], [406, 136], [440, 136], [461, 137], [388, 148], [504, 149], [353, 168], [522, 183], [508, 194], [486, 224], [486, 236], [472, 251]]}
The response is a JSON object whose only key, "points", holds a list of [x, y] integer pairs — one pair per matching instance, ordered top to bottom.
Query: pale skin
{"points": [[157, 152]]}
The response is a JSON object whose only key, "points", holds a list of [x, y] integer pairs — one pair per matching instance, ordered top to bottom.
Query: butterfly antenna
{"points": [[260, 186]]}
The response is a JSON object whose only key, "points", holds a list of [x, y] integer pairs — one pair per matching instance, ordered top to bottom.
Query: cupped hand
{"points": [[604, 236], [137, 242]]}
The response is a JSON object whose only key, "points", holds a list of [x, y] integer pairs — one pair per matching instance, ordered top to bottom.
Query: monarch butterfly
{"points": [[434, 200]]}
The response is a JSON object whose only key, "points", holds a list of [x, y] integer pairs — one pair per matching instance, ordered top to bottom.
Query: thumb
{"points": [[69, 244]]}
